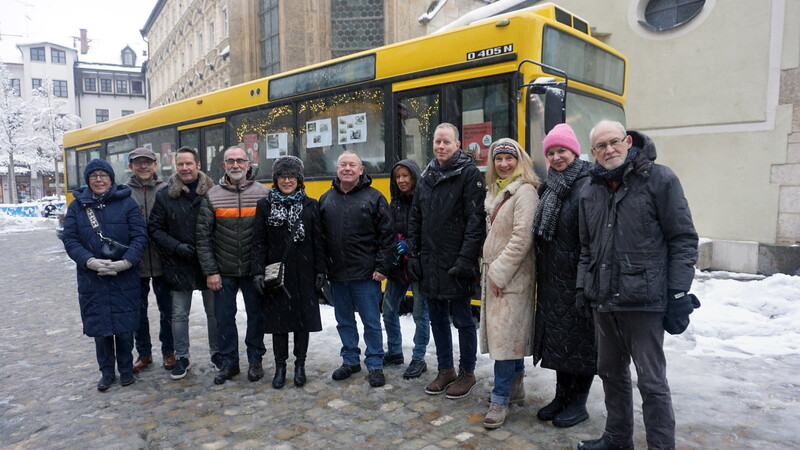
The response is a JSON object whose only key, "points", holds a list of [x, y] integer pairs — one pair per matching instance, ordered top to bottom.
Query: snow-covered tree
{"points": [[15, 119], [49, 125]]}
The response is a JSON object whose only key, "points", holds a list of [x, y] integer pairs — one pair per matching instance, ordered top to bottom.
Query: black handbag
{"points": [[110, 249], [274, 273]]}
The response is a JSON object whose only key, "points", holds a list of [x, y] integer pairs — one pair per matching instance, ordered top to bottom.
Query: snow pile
{"points": [[17, 224], [745, 318]]}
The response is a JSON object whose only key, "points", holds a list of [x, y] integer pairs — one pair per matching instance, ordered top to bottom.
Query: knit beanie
{"points": [[562, 136], [98, 164], [288, 165]]}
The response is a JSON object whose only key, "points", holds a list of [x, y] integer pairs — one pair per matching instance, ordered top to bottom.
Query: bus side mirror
{"points": [[555, 101]]}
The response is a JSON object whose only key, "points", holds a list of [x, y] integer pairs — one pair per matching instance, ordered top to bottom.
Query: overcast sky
{"points": [[111, 24]]}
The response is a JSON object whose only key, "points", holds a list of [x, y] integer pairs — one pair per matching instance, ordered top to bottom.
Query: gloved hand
{"points": [[401, 248], [185, 250], [97, 264], [119, 266], [414, 268], [461, 270], [258, 283], [319, 283], [582, 305], [679, 306]]}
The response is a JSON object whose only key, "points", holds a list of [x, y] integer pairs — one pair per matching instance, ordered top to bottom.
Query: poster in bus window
{"points": [[352, 128], [319, 133], [477, 138], [250, 142], [277, 145], [167, 157]]}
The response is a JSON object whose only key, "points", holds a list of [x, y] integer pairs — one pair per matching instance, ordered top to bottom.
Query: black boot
{"points": [[299, 373], [280, 376], [556, 406], [574, 413]]}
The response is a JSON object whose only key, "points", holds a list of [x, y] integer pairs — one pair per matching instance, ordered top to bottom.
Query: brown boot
{"points": [[169, 361], [142, 362], [445, 378], [463, 385], [517, 390]]}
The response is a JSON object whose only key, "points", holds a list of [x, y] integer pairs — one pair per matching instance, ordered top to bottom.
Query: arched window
{"points": [[663, 15]]}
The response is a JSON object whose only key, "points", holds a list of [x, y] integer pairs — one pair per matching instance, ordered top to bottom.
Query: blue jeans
{"points": [[395, 293], [363, 296], [164, 300], [181, 305], [225, 310], [440, 312], [116, 348], [504, 373]]}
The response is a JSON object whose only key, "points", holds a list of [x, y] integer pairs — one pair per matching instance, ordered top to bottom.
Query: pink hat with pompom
{"points": [[562, 136]]}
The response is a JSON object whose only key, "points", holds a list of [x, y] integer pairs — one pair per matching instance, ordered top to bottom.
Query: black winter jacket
{"points": [[401, 211], [173, 222], [357, 226], [447, 226], [638, 241], [563, 339]]}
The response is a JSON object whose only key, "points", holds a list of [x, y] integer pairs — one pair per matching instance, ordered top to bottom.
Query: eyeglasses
{"points": [[603, 146], [142, 162], [240, 162], [99, 176], [286, 177]]}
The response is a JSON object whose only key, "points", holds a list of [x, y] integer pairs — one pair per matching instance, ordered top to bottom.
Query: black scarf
{"points": [[615, 174], [556, 188], [287, 209]]}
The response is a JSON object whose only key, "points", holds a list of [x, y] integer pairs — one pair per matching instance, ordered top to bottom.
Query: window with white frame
{"points": [[664, 15], [37, 54], [58, 56], [36, 83], [90, 84], [105, 85], [122, 86], [16, 87], [136, 87], [60, 88], [126, 112], [100, 115]]}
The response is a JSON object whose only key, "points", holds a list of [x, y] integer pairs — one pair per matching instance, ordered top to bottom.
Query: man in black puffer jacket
{"points": [[446, 231], [638, 250]]}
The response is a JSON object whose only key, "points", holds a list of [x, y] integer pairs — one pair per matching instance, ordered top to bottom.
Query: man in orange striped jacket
{"points": [[224, 235]]}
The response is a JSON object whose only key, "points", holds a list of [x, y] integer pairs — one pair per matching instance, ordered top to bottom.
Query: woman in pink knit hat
{"points": [[563, 336]]}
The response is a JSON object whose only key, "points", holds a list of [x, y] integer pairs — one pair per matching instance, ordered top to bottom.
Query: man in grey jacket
{"points": [[144, 184], [638, 250]]}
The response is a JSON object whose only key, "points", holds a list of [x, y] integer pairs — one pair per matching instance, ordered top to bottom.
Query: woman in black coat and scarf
{"points": [[288, 228], [563, 337]]}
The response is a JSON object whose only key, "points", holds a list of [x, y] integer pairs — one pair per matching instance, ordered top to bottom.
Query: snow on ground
{"points": [[15, 224]]}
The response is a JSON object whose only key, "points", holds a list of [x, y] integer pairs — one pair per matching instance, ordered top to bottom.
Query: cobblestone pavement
{"points": [[48, 397]]}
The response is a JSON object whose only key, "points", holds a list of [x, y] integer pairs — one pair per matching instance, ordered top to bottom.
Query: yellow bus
{"points": [[513, 75]]}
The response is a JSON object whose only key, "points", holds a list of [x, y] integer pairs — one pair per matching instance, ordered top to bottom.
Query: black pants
{"points": [[620, 337], [280, 347]]}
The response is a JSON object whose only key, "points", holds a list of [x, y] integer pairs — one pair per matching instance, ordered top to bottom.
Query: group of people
{"points": [[584, 271]]}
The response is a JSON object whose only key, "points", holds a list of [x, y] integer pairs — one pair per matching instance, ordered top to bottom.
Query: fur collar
{"points": [[176, 186], [492, 201]]}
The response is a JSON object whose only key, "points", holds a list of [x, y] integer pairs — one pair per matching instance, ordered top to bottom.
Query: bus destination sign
{"points": [[491, 51]]}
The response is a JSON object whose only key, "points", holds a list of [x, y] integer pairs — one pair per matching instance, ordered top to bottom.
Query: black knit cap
{"points": [[288, 165]]}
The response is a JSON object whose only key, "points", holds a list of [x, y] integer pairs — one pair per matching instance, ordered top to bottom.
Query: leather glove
{"points": [[401, 248], [185, 250], [97, 264], [414, 268], [461, 270], [258, 283], [319, 283], [583, 306], [679, 306]]}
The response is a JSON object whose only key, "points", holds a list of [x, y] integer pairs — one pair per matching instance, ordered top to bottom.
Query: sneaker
{"points": [[393, 359], [216, 360], [169, 361], [142, 362], [180, 369], [415, 369], [255, 372], [344, 372], [225, 374], [376, 378], [126, 379], [443, 380], [105, 382], [462, 386], [496, 416]]}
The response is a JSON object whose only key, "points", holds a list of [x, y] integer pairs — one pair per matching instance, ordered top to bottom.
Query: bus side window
{"points": [[419, 115]]}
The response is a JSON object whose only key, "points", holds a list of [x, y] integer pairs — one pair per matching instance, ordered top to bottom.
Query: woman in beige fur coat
{"points": [[508, 271]]}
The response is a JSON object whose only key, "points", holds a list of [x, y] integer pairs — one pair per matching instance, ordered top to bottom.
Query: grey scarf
{"points": [[556, 188]]}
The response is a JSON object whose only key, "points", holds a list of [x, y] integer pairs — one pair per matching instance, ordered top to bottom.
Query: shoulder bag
{"points": [[110, 249], [274, 273]]}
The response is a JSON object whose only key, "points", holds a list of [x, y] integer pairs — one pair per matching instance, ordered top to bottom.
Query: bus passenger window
{"points": [[486, 111], [419, 115], [351, 121], [265, 135], [118, 158]]}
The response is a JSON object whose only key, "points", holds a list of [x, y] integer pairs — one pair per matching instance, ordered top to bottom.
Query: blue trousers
{"points": [[395, 293], [363, 296], [181, 306], [225, 311], [440, 312], [144, 345], [116, 348], [504, 373]]}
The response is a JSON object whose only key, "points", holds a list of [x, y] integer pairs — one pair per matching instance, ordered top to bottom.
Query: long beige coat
{"points": [[506, 330]]}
